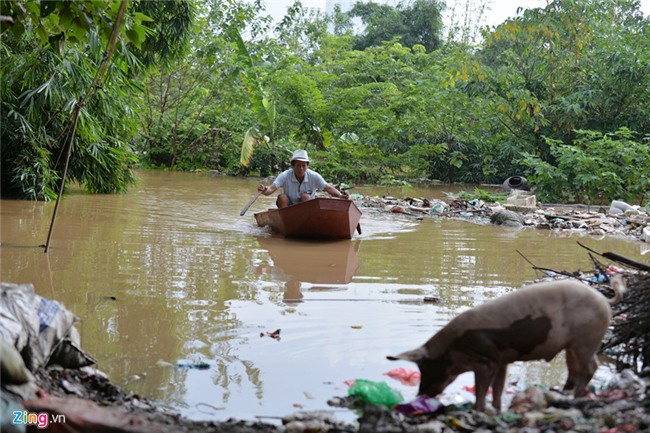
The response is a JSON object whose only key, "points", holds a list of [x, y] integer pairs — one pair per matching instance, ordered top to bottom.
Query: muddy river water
{"points": [[169, 276]]}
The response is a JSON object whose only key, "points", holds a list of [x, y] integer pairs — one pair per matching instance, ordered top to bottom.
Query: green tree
{"points": [[415, 23], [300, 32], [569, 68], [61, 95], [305, 104], [193, 112], [597, 167]]}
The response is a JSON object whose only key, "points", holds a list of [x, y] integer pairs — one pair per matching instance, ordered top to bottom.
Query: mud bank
{"points": [[91, 403]]}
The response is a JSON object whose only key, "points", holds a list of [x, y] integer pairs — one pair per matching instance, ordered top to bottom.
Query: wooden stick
{"points": [[250, 203], [619, 258]]}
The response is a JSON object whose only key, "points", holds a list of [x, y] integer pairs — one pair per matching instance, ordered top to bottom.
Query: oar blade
{"points": [[250, 203]]}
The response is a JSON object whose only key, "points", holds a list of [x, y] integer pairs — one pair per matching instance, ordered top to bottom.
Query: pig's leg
{"points": [[582, 364], [573, 368], [585, 375], [483, 377], [498, 384]]}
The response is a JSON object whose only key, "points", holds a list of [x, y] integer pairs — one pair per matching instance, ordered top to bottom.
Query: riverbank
{"points": [[91, 403]]}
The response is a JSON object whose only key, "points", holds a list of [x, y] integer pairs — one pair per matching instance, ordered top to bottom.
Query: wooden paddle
{"points": [[250, 203]]}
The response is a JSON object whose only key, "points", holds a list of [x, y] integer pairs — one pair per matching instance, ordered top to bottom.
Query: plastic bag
{"points": [[42, 330], [12, 366], [405, 376], [625, 384], [378, 393], [421, 405]]}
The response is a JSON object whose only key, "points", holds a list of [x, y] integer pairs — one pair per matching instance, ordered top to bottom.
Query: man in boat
{"points": [[299, 183]]}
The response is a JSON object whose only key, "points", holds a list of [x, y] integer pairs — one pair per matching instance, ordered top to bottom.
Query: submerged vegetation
{"points": [[377, 94]]}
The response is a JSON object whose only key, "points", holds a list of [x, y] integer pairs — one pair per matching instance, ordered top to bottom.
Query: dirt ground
{"points": [[91, 403]]}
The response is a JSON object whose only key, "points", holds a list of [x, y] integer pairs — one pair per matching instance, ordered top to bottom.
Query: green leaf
{"points": [[33, 7], [47, 7], [66, 17], [140, 17], [42, 33], [134, 37], [251, 139]]}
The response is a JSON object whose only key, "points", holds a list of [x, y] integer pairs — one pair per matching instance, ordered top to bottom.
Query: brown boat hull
{"points": [[324, 218]]}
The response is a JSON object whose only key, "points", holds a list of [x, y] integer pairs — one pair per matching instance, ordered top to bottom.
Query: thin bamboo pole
{"points": [[97, 83]]}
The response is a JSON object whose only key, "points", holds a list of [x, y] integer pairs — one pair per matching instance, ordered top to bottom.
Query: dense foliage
{"points": [[59, 92], [560, 94]]}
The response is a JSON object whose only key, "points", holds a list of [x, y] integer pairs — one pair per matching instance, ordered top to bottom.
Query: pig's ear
{"points": [[412, 355]]}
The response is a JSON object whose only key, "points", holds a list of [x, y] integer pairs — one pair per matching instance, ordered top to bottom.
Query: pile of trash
{"points": [[521, 209], [41, 330], [628, 343], [48, 384], [621, 405], [584, 415]]}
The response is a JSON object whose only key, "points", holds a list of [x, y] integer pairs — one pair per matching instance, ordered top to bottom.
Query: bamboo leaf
{"points": [[140, 17], [134, 37]]}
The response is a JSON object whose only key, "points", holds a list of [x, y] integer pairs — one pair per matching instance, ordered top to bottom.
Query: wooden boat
{"points": [[326, 218]]}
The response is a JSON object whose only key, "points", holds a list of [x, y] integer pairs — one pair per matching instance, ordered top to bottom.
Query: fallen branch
{"points": [[619, 259]]}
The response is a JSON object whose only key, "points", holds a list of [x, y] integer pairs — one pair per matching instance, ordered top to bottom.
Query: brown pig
{"points": [[535, 322]]}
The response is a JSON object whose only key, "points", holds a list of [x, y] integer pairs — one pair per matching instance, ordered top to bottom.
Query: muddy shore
{"points": [[92, 403]]}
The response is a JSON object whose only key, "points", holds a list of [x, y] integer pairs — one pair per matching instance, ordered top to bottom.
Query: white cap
{"points": [[300, 155]]}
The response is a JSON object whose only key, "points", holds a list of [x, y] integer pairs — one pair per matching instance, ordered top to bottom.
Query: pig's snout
{"points": [[435, 376]]}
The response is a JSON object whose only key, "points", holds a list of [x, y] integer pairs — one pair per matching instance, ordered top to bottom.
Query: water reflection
{"points": [[321, 264]]}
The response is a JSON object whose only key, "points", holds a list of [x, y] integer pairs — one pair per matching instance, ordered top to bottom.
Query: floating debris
{"points": [[275, 334], [194, 365]]}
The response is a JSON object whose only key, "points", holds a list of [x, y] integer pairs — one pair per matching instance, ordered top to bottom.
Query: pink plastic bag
{"points": [[405, 376]]}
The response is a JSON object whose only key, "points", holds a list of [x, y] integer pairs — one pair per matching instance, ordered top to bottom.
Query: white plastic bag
{"points": [[42, 330]]}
